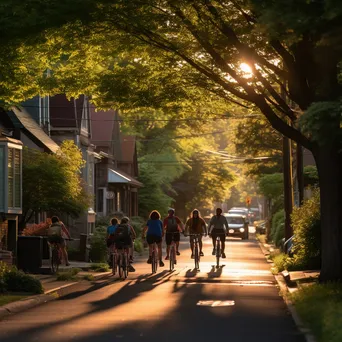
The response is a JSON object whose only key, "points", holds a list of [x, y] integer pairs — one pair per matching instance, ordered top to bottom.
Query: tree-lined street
{"points": [[238, 302]]}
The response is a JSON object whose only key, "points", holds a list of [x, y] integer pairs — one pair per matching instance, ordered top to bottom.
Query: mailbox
{"points": [[10, 176]]}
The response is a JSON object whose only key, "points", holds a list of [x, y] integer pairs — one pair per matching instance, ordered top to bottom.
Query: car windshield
{"points": [[237, 212], [235, 220]]}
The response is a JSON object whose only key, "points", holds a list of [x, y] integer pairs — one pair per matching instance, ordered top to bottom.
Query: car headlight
{"points": [[242, 230]]}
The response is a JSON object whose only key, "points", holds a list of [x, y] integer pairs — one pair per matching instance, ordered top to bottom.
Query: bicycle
{"points": [[218, 248], [173, 249], [55, 256], [197, 256], [154, 258], [114, 259], [123, 262]]}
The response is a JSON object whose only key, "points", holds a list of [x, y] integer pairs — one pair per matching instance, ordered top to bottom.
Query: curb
{"points": [[59, 292], [309, 337]]}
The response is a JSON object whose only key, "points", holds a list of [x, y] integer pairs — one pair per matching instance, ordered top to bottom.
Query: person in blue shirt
{"points": [[111, 230], [154, 234]]}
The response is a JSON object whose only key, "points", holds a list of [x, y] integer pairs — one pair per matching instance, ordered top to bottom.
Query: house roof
{"points": [[66, 113], [102, 126], [32, 127], [128, 148], [118, 176]]}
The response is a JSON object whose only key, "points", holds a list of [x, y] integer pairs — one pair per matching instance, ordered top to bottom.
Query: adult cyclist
{"points": [[195, 225], [172, 226], [218, 227], [123, 238]]}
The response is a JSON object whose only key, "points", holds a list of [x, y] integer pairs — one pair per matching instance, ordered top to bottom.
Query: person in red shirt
{"points": [[172, 226]]}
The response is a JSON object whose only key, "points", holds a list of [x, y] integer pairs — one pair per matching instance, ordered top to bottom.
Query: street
{"points": [[238, 302]]}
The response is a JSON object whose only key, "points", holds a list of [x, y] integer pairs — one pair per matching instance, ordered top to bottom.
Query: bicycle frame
{"points": [[218, 248], [197, 256], [55, 257], [154, 257], [114, 258], [173, 259], [123, 261]]}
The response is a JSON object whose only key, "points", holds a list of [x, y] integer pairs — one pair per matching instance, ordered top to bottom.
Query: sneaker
{"points": [[214, 251], [177, 253], [201, 254], [223, 255], [192, 256], [167, 258], [131, 259], [149, 260], [175, 262], [67, 264], [161, 264], [131, 268]]}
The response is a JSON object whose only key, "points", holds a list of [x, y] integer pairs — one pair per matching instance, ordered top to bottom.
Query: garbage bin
{"points": [[30, 253]]}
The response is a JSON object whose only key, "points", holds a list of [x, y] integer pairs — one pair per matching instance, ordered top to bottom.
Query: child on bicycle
{"points": [[195, 225], [218, 227], [154, 234], [55, 235], [123, 238]]}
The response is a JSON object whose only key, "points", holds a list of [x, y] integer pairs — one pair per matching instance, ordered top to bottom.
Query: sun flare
{"points": [[246, 68]]}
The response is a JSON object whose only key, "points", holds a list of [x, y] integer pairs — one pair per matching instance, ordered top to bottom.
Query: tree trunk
{"points": [[329, 166]]}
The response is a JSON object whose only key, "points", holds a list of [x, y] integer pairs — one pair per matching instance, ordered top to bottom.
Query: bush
{"points": [[39, 229], [277, 231], [307, 233], [139, 245], [98, 246], [101, 267], [68, 275], [13, 280], [18, 281], [320, 307]]}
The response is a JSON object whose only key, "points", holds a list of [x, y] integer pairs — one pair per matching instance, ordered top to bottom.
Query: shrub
{"points": [[39, 229], [277, 231], [307, 233], [139, 245], [98, 246], [101, 267], [69, 275], [18, 281]]}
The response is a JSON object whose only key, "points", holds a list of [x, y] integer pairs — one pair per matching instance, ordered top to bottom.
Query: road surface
{"points": [[238, 302]]}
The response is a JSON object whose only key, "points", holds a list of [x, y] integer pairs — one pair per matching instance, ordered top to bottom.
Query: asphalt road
{"points": [[238, 302]]}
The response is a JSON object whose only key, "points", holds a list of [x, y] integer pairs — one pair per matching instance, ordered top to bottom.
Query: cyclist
{"points": [[196, 225], [172, 226], [218, 226], [154, 234], [55, 235], [110, 236], [123, 238]]}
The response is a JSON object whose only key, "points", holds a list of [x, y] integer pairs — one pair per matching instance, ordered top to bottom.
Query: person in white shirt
{"points": [[218, 227]]}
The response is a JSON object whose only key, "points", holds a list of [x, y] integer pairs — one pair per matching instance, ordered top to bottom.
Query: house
{"points": [[71, 120], [116, 173]]}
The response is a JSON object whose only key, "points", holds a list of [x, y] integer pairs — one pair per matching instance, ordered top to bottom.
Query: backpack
{"points": [[172, 225], [122, 232]]}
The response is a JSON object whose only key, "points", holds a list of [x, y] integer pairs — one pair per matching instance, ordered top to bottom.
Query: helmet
{"points": [[171, 210]]}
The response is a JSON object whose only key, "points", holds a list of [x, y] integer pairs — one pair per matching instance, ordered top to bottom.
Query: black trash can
{"points": [[46, 248], [30, 253]]}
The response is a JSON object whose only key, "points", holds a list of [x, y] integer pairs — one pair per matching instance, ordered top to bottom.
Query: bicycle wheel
{"points": [[218, 253], [172, 258], [196, 258], [54, 261], [114, 263], [153, 263], [120, 265], [125, 265]]}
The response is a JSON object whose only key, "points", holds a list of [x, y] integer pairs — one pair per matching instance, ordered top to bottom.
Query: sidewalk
{"points": [[54, 289]]}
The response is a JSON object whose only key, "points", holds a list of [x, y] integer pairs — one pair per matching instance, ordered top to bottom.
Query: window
{"points": [[85, 117], [2, 177], [14, 178], [100, 200], [118, 201]]}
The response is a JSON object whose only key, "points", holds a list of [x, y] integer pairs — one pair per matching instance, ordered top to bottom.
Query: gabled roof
{"points": [[66, 113], [31, 126], [102, 126], [128, 143], [118, 176]]}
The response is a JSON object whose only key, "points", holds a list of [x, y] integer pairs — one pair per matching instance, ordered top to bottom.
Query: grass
{"points": [[261, 238], [99, 267], [68, 275], [89, 277], [9, 298], [320, 307]]}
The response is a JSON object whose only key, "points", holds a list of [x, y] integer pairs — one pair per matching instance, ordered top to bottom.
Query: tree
{"points": [[295, 55], [51, 184]]}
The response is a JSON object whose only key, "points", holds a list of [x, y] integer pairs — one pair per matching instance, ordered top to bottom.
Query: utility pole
{"points": [[300, 173], [288, 186]]}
